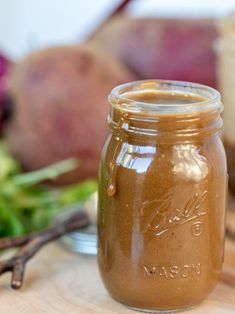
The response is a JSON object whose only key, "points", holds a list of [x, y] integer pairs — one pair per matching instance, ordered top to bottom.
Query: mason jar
{"points": [[162, 188]]}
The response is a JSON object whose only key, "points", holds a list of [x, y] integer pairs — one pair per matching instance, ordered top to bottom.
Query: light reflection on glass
{"points": [[130, 158], [189, 163]]}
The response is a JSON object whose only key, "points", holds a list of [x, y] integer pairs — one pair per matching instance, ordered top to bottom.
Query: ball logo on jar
{"points": [[160, 216]]}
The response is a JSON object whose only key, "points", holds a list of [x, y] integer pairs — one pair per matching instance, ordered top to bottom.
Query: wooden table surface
{"points": [[58, 281]]}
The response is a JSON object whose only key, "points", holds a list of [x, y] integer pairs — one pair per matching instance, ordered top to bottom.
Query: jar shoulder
{"points": [[192, 160]]}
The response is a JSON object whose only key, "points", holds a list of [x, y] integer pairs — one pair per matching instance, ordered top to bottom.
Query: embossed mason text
{"points": [[173, 271]]}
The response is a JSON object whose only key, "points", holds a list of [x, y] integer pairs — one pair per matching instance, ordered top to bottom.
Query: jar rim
{"points": [[119, 100]]}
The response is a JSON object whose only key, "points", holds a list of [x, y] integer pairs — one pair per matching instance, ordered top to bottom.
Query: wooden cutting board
{"points": [[62, 282]]}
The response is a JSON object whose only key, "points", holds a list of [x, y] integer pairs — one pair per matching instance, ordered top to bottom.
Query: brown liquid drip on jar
{"points": [[111, 185]]}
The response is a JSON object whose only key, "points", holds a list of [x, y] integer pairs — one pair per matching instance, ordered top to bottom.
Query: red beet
{"points": [[180, 49], [5, 65], [4, 69], [60, 107]]}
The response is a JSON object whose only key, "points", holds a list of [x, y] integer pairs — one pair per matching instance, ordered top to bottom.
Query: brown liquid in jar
{"points": [[161, 205]]}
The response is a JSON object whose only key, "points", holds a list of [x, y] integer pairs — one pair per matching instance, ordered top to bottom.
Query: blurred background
{"points": [[28, 25], [58, 62]]}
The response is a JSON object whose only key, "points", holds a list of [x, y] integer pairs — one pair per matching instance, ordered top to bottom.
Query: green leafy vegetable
{"points": [[26, 206]]}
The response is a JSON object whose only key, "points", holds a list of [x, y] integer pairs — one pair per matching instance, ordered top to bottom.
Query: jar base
{"points": [[184, 309], [158, 310]]}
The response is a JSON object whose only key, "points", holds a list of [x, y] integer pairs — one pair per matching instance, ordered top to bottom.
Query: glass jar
{"points": [[226, 75], [162, 187]]}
